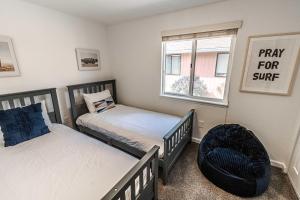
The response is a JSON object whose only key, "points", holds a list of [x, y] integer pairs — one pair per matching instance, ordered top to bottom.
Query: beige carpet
{"points": [[187, 182]]}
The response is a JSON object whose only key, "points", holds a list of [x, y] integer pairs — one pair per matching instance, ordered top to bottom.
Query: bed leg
{"points": [[191, 133], [165, 176], [156, 177]]}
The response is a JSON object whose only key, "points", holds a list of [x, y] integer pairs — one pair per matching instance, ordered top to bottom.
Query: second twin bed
{"points": [[134, 130]]}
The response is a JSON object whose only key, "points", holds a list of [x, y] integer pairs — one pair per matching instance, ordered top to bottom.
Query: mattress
{"points": [[136, 127], [63, 164]]}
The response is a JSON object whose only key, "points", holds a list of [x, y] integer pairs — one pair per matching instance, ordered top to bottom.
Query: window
{"points": [[173, 64], [222, 64], [196, 66], [177, 84]]}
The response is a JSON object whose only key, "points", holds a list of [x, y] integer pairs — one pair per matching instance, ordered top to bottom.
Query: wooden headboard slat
{"points": [[32, 99], [22, 101], [11, 103]]}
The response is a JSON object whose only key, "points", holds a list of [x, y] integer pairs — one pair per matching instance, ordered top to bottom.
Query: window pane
{"points": [[222, 64], [168, 65], [176, 65], [178, 82], [206, 84]]}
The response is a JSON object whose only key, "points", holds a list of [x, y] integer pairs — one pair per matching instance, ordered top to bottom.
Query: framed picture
{"points": [[88, 59], [8, 61], [271, 63]]}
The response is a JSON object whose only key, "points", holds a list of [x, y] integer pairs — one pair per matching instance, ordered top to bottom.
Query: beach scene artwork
{"points": [[8, 62]]}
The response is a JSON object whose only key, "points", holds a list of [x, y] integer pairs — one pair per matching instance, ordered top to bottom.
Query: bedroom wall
{"points": [[44, 42], [135, 55], [294, 168]]}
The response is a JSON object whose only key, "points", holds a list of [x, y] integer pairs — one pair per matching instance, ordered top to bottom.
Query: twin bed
{"points": [[133, 130], [66, 164]]}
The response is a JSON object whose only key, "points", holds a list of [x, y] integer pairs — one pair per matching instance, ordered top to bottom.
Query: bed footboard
{"points": [[175, 141], [146, 172]]}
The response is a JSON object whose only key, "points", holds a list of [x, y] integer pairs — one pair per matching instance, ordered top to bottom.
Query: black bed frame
{"points": [[174, 141], [148, 163]]}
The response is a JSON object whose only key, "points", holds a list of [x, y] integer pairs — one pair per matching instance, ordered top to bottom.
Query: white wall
{"points": [[45, 41], [136, 60], [294, 168]]}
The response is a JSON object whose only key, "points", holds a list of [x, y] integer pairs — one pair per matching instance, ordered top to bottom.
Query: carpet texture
{"points": [[187, 182]]}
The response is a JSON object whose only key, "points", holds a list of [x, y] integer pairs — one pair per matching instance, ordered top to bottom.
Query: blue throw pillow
{"points": [[22, 124]]}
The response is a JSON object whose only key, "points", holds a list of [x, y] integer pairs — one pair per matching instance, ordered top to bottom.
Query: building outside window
{"points": [[173, 64], [222, 64]]}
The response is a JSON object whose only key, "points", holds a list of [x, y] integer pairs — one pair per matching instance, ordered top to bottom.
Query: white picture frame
{"points": [[88, 59], [8, 61], [271, 63]]}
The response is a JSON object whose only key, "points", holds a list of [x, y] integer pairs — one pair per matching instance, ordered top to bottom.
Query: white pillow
{"points": [[98, 102], [45, 113]]}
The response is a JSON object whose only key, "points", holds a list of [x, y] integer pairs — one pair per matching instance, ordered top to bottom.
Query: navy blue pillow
{"points": [[22, 124]]}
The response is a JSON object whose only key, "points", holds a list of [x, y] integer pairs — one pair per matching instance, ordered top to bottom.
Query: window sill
{"points": [[223, 104]]}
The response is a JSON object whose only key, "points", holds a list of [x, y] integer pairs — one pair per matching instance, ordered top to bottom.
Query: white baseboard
{"points": [[196, 140], [274, 163], [280, 165], [294, 186]]}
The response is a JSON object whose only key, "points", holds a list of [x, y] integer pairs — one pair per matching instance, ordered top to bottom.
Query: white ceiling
{"points": [[116, 11]]}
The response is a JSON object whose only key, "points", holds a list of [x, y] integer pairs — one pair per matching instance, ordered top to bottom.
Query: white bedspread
{"points": [[136, 127], [61, 165]]}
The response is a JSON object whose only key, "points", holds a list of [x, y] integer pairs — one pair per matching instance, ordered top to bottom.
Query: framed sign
{"points": [[88, 59], [8, 61], [271, 63]]}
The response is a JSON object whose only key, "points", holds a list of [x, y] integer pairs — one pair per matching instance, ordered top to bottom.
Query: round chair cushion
{"points": [[234, 159]]}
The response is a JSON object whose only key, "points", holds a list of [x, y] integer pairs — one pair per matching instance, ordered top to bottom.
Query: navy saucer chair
{"points": [[233, 158]]}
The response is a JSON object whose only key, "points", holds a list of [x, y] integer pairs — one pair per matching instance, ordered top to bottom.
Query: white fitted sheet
{"points": [[137, 127], [61, 165]]}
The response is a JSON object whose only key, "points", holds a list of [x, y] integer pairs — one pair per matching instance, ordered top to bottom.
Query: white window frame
{"points": [[190, 97]]}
